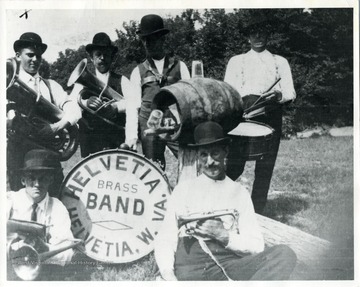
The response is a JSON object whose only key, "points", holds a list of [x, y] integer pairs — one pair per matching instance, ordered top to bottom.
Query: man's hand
{"points": [[278, 95], [93, 103], [49, 130], [132, 143], [212, 228]]}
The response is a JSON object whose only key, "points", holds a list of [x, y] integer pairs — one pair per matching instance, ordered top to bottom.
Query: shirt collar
{"points": [[260, 54], [26, 77], [103, 77], [41, 204]]}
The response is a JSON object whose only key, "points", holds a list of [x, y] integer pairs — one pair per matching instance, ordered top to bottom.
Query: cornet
{"points": [[94, 87], [32, 112], [185, 219], [24, 252]]}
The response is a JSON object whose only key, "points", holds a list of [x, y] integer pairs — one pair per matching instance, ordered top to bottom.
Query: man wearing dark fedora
{"points": [[29, 49], [157, 71], [253, 74], [97, 134], [33, 203], [227, 243]]}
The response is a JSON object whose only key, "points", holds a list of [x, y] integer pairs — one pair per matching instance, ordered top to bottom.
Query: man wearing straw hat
{"points": [[157, 71], [253, 74], [96, 134], [33, 203], [226, 246]]}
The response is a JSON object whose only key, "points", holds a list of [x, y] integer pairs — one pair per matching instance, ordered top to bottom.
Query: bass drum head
{"points": [[116, 201]]}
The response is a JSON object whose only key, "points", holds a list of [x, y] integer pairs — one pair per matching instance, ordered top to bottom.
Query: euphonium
{"points": [[94, 87], [32, 111], [24, 253]]}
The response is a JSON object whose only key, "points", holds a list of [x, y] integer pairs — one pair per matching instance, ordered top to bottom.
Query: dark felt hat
{"points": [[262, 20], [151, 24], [30, 39], [101, 40], [208, 133], [41, 159]]}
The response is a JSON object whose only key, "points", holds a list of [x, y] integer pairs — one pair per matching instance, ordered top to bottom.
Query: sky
{"points": [[69, 24], [61, 29]]}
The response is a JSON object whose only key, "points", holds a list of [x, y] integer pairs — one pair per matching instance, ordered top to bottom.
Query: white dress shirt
{"points": [[254, 73], [60, 99], [203, 195], [20, 207]]}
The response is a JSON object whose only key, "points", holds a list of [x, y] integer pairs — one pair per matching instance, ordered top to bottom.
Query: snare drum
{"points": [[254, 139]]}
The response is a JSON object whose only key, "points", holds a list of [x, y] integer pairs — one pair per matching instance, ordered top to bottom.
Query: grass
{"points": [[311, 189]]}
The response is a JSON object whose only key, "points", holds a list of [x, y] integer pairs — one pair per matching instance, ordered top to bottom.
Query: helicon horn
{"points": [[32, 111]]}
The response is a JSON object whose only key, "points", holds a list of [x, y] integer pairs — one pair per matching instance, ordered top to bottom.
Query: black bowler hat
{"points": [[260, 20], [151, 24], [30, 39], [101, 40], [208, 133], [41, 159]]}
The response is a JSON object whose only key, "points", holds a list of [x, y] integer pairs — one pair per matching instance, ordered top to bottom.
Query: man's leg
{"points": [[152, 147], [235, 162], [263, 173], [275, 263]]}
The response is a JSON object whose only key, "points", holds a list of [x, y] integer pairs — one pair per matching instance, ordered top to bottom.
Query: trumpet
{"points": [[94, 87], [32, 112], [185, 219], [24, 251]]}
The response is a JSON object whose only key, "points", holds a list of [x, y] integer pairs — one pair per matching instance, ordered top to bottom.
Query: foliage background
{"points": [[318, 44]]}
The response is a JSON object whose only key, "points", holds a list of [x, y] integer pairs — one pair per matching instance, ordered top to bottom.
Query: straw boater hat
{"points": [[151, 24], [30, 39], [101, 40], [208, 133], [41, 159]]}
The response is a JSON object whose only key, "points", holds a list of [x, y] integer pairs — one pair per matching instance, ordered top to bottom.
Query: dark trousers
{"points": [[99, 138], [153, 146], [15, 152], [264, 167], [192, 263]]}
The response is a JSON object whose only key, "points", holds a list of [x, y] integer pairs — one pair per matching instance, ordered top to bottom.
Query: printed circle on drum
{"points": [[117, 201]]}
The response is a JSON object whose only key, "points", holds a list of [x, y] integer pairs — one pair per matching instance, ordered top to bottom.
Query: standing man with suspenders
{"points": [[28, 53], [157, 71], [252, 74]]}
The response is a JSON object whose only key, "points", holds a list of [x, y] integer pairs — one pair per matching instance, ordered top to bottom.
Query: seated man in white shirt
{"points": [[28, 53], [252, 74], [95, 133], [33, 203], [223, 247]]}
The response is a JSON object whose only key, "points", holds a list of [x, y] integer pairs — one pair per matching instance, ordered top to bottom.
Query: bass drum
{"points": [[253, 138], [116, 201]]}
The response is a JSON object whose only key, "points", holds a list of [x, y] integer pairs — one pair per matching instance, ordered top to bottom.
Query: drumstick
{"points": [[265, 93]]}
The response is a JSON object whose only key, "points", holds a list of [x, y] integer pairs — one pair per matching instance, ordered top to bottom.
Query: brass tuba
{"points": [[94, 87], [32, 111], [23, 252]]}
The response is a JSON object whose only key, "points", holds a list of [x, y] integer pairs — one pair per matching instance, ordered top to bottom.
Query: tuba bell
{"points": [[92, 86], [32, 111], [24, 254]]}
